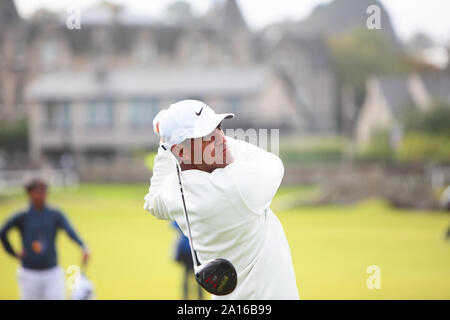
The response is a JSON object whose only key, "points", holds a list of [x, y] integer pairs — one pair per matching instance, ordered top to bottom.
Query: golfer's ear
{"points": [[177, 151], [180, 152]]}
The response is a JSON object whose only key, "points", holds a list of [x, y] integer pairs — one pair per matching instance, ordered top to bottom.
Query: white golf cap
{"points": [[186, 119]]}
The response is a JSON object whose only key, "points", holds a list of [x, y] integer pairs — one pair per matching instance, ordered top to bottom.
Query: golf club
{"points": [[217, 276]]}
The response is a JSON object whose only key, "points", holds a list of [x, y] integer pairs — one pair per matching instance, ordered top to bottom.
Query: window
{"points": [[144, 52], [48, 53], [142, 112], [101, 114], [57, 116]]}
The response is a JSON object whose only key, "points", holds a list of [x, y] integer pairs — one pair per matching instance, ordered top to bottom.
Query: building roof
{"points": [[8, 13], [104, 15], [232, 16], [340, 16], [121, 27], [313, 48], [129, 83], [437, 85], [397, 93]]}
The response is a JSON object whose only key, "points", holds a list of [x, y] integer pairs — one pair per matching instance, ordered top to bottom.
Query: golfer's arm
{"points": [[163, 167], [258, 179], [154, 202], [156, 205], [11, 223], [64, 224]]}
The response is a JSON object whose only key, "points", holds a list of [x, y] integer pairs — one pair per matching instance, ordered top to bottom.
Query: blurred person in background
{"points": [[445, 199], [445, 203], [183, 256], [39, 276]]}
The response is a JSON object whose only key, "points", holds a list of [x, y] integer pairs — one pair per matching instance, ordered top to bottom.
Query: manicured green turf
{"points": [[331, 247]]}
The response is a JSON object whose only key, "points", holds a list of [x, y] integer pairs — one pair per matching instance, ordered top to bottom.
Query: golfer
{"points": [[228, 187], [39, 277]]}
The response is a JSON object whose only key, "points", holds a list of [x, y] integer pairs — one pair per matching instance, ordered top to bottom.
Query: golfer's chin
{"points": [[227, 158], [223, 161]]}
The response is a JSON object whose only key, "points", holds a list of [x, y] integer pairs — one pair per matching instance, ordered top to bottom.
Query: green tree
{"points": [[419, 41], [360, 53], [434, 121], [427, 135], [14, 136], [422, 147], [379, 148]]}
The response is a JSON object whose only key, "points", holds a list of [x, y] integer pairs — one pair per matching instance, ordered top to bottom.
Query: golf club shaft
{"points": [[194, 257]]}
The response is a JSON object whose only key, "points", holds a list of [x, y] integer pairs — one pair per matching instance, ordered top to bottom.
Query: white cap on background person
{"points": [[186, 119]]}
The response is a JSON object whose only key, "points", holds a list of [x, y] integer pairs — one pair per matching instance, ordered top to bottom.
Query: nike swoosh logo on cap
{"points": [[199, 113]]}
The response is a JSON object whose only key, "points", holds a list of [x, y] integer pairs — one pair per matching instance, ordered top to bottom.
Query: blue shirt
{"points": [[38, 231], [183, 245]]}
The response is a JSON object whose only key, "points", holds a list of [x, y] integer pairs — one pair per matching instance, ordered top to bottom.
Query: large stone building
{"points": [[111, 37], [14, 70], [92, 92], [109, 114]]}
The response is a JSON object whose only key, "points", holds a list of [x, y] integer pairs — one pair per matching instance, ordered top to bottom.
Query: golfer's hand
{"points": [[20, 255], [86, 256]]}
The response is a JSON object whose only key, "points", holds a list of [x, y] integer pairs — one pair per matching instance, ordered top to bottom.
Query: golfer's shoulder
{"points": [[240, 148], [247, 154], [166, 190], [54, 210], [20, 213], [55, 213], [17, 217]]}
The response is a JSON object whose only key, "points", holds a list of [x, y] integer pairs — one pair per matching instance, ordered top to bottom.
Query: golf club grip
{"points": [[194, 256]]}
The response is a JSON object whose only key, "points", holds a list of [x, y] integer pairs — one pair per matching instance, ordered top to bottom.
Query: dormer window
{"points": [[48, 53]]}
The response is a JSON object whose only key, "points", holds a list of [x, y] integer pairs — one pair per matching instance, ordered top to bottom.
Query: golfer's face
{"points": [[214, 148], [210, 152], [38, 195]]}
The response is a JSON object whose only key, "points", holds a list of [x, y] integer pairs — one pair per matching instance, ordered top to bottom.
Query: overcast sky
{"points": [[409, 16]]}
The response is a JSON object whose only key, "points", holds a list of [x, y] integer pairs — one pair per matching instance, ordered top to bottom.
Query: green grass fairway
{"points": [[331, 247]]}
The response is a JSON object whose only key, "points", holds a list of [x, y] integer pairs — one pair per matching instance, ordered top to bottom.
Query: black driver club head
{"points": [[217, 276]]}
